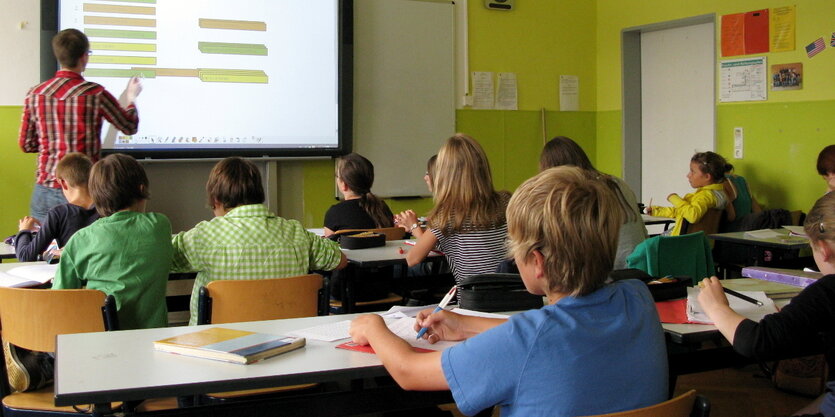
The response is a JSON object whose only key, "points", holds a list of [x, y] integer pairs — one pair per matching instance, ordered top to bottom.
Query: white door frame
{"points": [[631, 86]]}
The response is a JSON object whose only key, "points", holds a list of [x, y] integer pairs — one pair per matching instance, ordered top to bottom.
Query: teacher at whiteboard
{"points": [[64, 114]]}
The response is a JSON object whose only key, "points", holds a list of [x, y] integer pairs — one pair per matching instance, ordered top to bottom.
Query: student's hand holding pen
{"points": [[712, 296], [440, 325]]}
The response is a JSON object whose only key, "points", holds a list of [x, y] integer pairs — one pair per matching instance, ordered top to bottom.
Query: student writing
{"points": [[707, 171], [64, 220], [563, 226], [244, 240], [806, 324]]}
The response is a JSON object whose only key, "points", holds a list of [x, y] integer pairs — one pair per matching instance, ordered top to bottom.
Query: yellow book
{"points": [[229, 345]]}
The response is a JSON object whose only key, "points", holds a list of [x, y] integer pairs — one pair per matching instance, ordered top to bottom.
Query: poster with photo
{"points": [[787, 77]]}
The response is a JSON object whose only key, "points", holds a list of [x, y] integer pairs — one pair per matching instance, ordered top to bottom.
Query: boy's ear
{"points": [[63, 183], [538, 263]]}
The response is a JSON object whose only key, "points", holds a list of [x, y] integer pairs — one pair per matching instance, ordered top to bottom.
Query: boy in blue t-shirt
{"points": [[594, 349]]}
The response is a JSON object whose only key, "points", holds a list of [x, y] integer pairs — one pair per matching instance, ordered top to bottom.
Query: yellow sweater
{"points": [[693, 206]]}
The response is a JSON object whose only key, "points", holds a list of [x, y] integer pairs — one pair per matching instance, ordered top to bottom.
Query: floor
{"points": [[742, 392]]}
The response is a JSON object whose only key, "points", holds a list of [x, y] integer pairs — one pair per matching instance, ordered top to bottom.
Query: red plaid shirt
{"points": [[64, 114]]}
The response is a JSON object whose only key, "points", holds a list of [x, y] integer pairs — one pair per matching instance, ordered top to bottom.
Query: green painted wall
{"points": [[541, 40], [782, 135], [17, 172]]}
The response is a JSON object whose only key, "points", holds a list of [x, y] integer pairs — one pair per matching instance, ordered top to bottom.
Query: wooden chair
{"points": [[708, 224], [392, 233], [230, 301], [32, 318], [688, 404]]}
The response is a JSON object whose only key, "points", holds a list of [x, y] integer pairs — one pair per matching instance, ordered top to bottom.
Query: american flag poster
{"points": [[832, 41], [815, 47]]}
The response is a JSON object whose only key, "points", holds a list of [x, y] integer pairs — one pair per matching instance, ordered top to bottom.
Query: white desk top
{"points": [[656, 219], [6, 251], [389, 254], [124, 365]]}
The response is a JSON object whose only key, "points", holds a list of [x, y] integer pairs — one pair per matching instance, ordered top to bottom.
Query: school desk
{"points": [[651, 220], [739, 249], [6, 251], [393, 253], [117, 366]]}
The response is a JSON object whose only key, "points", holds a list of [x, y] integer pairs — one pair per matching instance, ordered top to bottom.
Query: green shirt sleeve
{"points": [[324, 253], [186, 257], [67, 276]]}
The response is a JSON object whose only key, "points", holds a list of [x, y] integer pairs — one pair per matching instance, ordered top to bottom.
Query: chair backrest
{"points": [[709, 223], [392, 233], [685, 255], [230, 301], [31, 318], [685, 405]]}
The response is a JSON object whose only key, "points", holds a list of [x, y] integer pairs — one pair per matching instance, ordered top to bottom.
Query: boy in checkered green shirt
{"points": [[244, 240]]}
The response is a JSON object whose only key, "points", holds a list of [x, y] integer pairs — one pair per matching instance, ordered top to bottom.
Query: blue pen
{"points": [[447, 298]]}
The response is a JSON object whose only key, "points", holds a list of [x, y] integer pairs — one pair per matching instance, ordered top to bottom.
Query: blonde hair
{"points": [[74, 168], [463, 189], [573, 218], [820, 222]]}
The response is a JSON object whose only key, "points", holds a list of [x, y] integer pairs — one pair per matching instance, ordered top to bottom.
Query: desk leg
{"points": [[348, 289]]}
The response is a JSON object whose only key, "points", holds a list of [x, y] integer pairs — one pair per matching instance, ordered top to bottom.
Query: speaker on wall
{"points": [[499, 4]]}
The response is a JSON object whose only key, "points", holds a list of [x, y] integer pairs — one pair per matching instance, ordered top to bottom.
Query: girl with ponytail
{"points": [[360, 208]]}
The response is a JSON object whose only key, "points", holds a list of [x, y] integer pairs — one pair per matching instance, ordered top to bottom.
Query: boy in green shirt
{"points": [[245, 241], [127, 252]]}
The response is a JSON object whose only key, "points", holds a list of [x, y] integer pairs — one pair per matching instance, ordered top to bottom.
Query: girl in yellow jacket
{"points": [[707, 171]]}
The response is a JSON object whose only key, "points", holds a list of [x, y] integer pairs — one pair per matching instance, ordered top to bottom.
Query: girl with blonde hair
{"points": [[468, 221]]}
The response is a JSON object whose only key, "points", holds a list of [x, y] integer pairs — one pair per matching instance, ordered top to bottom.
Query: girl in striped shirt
{"points": [[468, 221]]}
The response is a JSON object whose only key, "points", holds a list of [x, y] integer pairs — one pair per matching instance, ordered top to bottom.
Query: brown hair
{"points": [[69, 45], [564, 151], [826, 160], [713, 164], [74, 168], [430, 169], [357, 172], [117, 181], [234, 182], [463, 189], [570, 216], [820, 222]]}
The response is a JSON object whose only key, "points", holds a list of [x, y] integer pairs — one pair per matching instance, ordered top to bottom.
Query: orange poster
{"points": [[733, 30], [756, 32]]}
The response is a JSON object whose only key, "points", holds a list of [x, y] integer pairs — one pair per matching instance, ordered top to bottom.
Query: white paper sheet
{"points": [[483, 90], [569, 93], [507, 96], [28, 275], [752, 311]]}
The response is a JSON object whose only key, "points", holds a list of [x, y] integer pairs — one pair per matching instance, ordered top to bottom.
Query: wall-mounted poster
{"points": [[787, 76]]}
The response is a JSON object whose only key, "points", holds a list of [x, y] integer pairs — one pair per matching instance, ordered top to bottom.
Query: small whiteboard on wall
{"points": [[404, 89]]}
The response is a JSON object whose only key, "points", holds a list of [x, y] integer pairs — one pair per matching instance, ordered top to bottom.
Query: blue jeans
{"points": [[43, 199]]}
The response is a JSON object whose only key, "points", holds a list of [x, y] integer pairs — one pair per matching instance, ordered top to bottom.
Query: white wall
{"points": [[20, 32]]}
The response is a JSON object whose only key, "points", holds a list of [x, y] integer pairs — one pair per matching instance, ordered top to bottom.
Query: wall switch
{"points": [[738, 143]]}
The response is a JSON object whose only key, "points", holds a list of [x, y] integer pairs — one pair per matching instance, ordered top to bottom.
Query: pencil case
{"points": [[362, 240], [496, 293]]}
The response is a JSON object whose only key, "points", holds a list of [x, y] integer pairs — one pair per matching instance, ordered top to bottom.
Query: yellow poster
{"points": [[782, 29]]}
